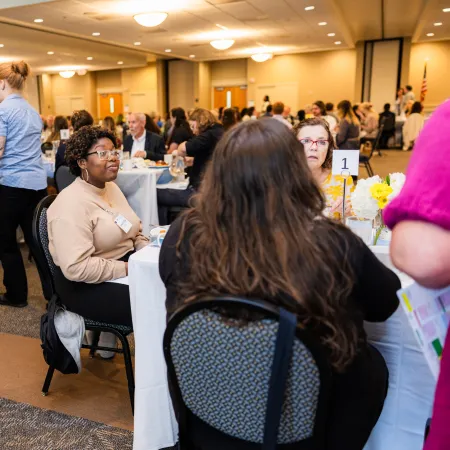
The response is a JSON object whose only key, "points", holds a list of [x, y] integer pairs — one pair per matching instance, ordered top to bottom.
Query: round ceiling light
{"points": [[152, 19], [222, 44], [262, 57], [67, 73]]}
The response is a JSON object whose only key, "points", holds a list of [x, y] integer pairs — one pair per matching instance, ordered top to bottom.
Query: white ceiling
{"points": [[281, 25]]}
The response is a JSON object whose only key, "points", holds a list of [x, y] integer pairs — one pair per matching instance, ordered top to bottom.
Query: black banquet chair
{"points": [[63, 178], [47, 271], [225, 377]]}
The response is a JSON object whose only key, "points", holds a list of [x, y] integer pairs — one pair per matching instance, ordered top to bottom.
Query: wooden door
{"points": [[230, 96], [110, 105]]}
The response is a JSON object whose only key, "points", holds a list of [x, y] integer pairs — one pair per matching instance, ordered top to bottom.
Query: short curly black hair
{"points": [[80, 119], [79, 144]]}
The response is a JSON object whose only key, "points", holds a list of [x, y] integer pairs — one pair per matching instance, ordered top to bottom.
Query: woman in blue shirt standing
{"points": [[23, 180]]}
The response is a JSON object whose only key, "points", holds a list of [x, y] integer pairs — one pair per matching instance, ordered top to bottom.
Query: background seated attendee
{"points": [[266, 103], [278, 109], [329, 109], [319, 112], [268, 113], [287, 114], [245, 115], [301, 115], [79, 119], [228, 119], [387, 119], [60, 124], [109, 124], [369, 124], [150, 125], [413, 126], [48, 127], [180, 131], [207, 132], [347, 137], [142, 143], [318, 143], [256, 231], [86, 244]]}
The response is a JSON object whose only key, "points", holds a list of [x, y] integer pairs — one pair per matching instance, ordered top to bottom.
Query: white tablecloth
{"points": [[139, 187], [411, 384], [155, 426]]}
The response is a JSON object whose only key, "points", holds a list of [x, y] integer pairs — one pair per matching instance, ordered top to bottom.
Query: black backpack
{"points": [[55, 354]]}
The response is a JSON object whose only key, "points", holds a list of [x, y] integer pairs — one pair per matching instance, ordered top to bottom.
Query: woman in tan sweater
{"points": [[93, 231]]}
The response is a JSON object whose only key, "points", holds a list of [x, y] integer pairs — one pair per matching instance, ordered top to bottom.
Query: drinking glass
{"points": [[362, 228]]}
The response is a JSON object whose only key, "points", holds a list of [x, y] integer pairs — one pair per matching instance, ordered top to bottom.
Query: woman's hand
{"points": [[181, 150], [140, 154], [188, 161], [337, 207]]}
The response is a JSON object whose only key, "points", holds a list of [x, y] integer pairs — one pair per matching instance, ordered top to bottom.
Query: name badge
{"points": [[124, 224]]}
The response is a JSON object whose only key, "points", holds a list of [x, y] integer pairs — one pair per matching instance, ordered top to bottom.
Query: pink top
{"points": [[426, 193], [426, 197]]}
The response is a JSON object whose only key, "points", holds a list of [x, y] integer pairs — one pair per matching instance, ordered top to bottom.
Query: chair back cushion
{"points": [[63, 178], [43, 237], [223, 369]]}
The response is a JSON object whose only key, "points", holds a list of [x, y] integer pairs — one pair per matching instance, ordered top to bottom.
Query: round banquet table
{"points": [[411, 384], [408, 404]]}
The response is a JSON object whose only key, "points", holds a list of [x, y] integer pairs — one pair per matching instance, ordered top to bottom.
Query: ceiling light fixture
{"points": [[310, 8], [446, 10], [152, 19], [38, 20], [322, 24], [437, 24], [96, 34], [331, 34], [430, 34], [338, 42], [137, 43], [222, 44], [2, 45], [168, 50], [50, 53], [191, 56], [262, 57], [89, 58], [120, 63], [82, 72], [67, 73]]}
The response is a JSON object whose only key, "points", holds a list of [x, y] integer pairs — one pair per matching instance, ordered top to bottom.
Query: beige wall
{"points": [[438, 71], [230, 73], [109, 79], [182, 84], [45, 94]]}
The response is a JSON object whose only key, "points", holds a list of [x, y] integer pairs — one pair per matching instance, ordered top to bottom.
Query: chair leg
{"points": [[369, 169], [95, 339], [128, 369], [48, 380]]}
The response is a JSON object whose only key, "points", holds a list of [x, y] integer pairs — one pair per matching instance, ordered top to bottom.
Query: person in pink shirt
{"points": [[420, 247]]}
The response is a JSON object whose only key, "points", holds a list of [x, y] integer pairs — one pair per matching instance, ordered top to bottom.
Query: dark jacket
{"points": [[388, 119], [348, 136], [154, 146], [201, 147], [59, 159]]}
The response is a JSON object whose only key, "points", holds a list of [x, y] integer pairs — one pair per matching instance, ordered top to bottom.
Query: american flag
{"points": [[424, 89]]}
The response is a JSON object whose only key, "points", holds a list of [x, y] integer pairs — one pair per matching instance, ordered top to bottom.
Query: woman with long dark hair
{"points": [[229, 119], [61, 123], [151, 126], [181, 130], [256, 230]]}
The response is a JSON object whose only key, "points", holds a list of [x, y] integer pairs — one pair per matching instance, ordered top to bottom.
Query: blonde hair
{"points": [[15, 73], [367, 106], [204, 118]]}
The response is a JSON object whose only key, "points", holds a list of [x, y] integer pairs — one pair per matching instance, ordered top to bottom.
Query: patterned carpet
{"points": [[24, 427]]}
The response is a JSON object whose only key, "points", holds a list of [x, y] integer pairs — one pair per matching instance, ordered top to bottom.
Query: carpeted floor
{"points": [[25, 427]]}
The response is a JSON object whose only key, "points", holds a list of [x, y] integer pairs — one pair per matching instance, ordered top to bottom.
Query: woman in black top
{"points": [[181, 130], [207, 132], [257, 231]]}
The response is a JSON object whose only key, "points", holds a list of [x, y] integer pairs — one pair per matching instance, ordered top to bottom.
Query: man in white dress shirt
{"points": [[278, 110], [138, 132]]}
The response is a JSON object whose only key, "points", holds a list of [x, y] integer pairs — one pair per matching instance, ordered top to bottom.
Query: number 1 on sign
{"points": [[345, 162]]}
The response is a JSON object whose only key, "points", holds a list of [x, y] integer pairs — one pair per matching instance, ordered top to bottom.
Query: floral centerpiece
{"points": [[372, 195]]}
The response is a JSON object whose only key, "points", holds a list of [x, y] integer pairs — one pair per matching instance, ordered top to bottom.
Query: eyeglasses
{"points": [[308, 142], [106, 155]]}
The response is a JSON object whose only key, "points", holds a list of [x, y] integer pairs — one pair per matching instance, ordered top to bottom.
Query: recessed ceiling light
{"points": [[309, 8], [446, 10], [38, 20], [321, 24], [437, 24], [96, 34], [331, 34], [430, 34], [338, 42], [137, 43], [2, 45], [167, 50], [50, 53], [191, 56], [89, 58], [120, 63]]}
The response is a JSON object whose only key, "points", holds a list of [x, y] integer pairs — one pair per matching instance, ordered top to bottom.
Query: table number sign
{"points": [[64, 135], [345, 162]]}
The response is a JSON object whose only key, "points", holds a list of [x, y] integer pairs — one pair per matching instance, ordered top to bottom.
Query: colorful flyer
{"points": [[428, 312]]}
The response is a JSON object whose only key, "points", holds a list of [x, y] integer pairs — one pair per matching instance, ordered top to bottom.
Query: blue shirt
{"points": [[21, 165]]}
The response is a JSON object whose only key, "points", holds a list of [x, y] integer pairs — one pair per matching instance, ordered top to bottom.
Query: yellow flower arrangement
{"points": [[380, 192]]}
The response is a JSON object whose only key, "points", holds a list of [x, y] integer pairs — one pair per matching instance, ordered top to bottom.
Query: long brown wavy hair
{"points": [[257, 230]]}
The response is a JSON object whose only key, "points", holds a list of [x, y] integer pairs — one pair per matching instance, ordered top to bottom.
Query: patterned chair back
{"points": [[40, 236], [223, 368]]}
